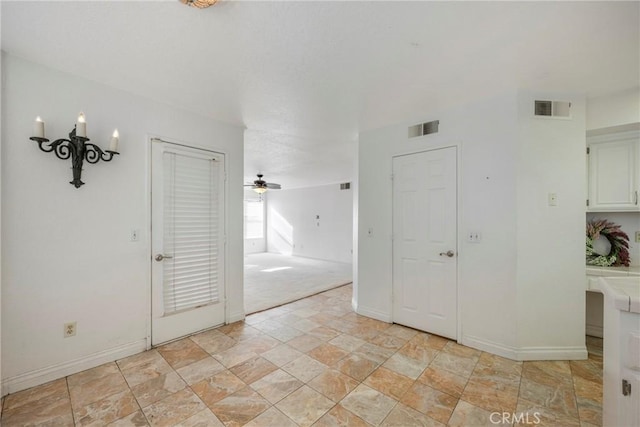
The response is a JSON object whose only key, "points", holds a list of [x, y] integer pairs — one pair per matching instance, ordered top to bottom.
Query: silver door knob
{"points": [[448, 253], [160, 257]]}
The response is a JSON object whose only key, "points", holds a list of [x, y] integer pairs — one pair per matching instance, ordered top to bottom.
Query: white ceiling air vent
{"points": [[552, 109], [423, 128], [345, 186]]}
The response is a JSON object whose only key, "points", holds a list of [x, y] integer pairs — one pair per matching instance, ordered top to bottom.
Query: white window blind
{"points": [[191, 231]]}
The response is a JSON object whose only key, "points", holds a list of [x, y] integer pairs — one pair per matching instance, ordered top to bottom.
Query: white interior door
{"points": [[187, 240], [424, 241]]}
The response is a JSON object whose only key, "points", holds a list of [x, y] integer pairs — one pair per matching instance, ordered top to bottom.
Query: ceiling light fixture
{"points": [[200, 4], [261, 186], [260, 190]]}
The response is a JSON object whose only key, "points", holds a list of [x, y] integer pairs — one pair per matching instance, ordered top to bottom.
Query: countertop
{"points": [[593, 270], [624, 292]]}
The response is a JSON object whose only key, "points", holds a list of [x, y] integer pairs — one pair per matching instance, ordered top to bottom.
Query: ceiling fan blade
{"points": [[274, 186]]}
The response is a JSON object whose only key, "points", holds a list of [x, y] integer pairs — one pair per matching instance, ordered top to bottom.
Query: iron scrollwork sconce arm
{"points": [[78, 149]]}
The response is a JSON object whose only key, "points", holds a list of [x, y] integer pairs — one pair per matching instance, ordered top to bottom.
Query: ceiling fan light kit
{"points": [[200, 4], [260, 186], [260, 190]]}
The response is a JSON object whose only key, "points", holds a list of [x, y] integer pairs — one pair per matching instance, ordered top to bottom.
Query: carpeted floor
{"points": [[273, 279]]}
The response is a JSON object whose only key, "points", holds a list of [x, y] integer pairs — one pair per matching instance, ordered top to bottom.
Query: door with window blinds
{"points": [[187, 221]]}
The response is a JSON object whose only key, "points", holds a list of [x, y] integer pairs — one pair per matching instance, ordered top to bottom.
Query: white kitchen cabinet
{"points": [[614, 172], [621, 370]]}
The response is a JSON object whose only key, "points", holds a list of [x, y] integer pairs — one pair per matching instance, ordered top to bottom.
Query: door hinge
{"points": [[588, 150], [392, 176], [587, 202], [626, 388]]}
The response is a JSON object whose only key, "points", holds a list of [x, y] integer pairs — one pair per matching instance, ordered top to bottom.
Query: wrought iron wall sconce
{"points": [[77, 147]]}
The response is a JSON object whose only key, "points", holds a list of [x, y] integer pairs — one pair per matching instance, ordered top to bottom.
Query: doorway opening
{"points": [[297, 243]]}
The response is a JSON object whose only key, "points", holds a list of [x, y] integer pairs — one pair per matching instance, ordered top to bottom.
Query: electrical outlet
{"points": [[135, 235], [637, 236], [69, 329]]}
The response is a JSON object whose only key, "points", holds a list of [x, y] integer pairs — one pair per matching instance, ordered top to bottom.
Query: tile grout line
{"points": [[132, 393], [73, 414]]}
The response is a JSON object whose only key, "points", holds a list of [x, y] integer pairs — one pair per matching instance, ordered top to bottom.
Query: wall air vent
{"points": [[552, 109], [424, 128], [345, 186]]}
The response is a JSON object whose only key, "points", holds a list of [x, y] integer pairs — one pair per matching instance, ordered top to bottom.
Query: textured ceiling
{"points": [[305, 77]]}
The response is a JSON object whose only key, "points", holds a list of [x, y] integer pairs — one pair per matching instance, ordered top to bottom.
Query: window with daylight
{"points": [[253, 219]]}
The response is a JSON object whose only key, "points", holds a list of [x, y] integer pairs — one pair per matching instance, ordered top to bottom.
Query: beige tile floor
{"points": [[315, 362]]}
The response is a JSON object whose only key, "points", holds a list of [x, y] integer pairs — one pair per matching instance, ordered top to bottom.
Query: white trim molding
{"points": [[374, 314], [235, 317], [594, 330], [489, 347], [526, 353], [61, 370]]}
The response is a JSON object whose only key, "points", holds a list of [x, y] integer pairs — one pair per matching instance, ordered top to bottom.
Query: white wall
{"points": [[1, 85], [613, 110], [486, 132], [492, 141], [293, 227], [66, 251], [551, 267]]}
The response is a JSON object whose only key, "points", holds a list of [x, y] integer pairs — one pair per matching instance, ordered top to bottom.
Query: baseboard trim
{"points": [[374, 314], [235, 317], [594, 331], [489, 347], [526, 353], [553, 353], [61, 370]]}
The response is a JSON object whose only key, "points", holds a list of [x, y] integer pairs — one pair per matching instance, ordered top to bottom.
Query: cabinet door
{"points": [[613, 173]]}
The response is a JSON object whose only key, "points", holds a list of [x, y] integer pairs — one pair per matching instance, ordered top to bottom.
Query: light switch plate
{"points": [[637, 236], [474, 237]]}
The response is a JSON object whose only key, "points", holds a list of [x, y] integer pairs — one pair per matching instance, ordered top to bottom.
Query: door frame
{"points": [[148, 222], [459, 241]]}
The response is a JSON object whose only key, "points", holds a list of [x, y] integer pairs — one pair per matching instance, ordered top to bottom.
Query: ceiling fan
{"points": [[260, 186]]}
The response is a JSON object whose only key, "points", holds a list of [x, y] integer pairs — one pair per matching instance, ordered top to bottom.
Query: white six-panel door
{"points": [[187, 240], [424, 241]]}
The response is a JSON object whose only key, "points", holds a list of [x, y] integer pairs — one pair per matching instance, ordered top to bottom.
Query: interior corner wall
{"points": [[613, 110], [486, 132], [1, 139], [355, 188], [313, 222], [67, 254], [550, 258]]}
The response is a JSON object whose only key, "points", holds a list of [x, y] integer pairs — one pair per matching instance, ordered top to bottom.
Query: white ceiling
{"points": [[305, 77]]}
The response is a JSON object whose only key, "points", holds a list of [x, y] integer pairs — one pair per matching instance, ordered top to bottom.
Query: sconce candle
{"points": [[81, 126], [38, 128], [114, 141], [77, 147]]}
